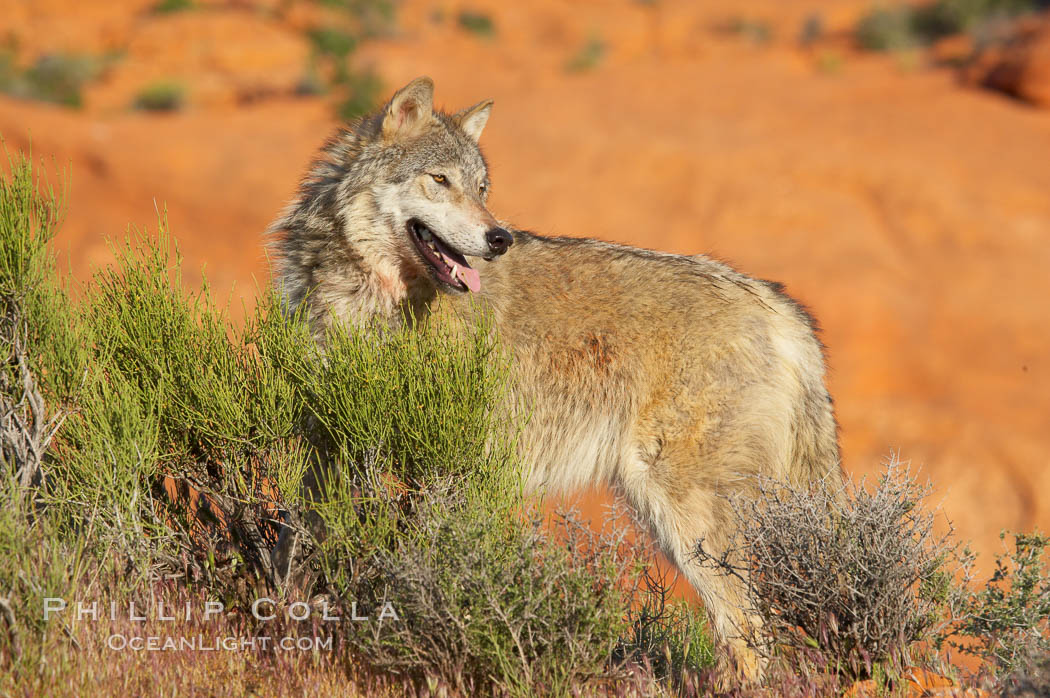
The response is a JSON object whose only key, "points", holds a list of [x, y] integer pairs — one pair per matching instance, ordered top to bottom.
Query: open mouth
{"points": [[449, 266]]}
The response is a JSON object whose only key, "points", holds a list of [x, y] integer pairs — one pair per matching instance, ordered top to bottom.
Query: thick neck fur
{"points": [[336, 252]]}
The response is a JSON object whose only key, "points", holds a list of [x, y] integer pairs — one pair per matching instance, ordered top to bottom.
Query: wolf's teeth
{"points": [[455, 271]]}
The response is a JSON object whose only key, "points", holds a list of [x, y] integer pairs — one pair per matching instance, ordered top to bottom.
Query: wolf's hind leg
{"points": [[678, 518]]}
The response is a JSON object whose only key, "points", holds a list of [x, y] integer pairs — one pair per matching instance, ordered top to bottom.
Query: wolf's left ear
{"points": [[410, 108], [473, 119]]}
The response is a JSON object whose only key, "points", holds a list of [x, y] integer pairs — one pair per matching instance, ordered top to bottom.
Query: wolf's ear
{"points": [[410, 108], [473, 119]]}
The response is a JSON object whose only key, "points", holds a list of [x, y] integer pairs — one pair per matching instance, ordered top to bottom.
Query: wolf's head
{"points": [[428, 182], [436, 185], [390, 212]]}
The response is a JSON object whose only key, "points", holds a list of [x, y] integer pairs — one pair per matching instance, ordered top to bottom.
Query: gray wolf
{"points": [[674, 380]]}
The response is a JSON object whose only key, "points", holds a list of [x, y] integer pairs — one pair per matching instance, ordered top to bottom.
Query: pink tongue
{"points": [[470, 277]]}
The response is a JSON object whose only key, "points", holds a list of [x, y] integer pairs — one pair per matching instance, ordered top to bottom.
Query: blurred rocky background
{"points": [[890, 164]]}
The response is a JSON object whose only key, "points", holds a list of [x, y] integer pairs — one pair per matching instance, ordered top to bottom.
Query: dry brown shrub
{"points": [[844, 578]]}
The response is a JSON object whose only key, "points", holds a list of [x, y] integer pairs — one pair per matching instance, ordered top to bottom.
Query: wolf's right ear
{"points": [[410, 108]]}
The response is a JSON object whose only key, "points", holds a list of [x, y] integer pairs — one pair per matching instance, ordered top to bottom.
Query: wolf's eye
{"points": [[440, 178], [482, 188]]}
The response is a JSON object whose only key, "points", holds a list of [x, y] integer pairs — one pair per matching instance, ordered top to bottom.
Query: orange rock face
{"points": [[220, 57], [1022, 69], [912, 214]]}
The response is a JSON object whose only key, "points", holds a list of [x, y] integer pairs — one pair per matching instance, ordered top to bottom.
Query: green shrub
{"points": [[169, 6], [371, 17], [947, 17], [477, 23], [905, 26], [812, 29], [886, 30], [757, 31], [331, 41], [588, 57], [329, 69], [57, 78], [359, 94], [161, 96], [35, 306], [173, 443], [40, 556], [491, 605], [1008, 620], [670, 637]]}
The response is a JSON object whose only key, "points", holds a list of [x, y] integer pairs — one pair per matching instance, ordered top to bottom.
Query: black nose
{"points": [[499, 240]]}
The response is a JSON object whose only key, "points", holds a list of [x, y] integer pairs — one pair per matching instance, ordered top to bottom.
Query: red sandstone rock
{"points": [[1022, 68]]}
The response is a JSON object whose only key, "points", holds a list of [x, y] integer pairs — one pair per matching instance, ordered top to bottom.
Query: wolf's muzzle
{"points": [[499, 240]]}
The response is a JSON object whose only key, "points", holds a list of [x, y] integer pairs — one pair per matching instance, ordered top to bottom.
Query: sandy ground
{"points": [[909, 212]]}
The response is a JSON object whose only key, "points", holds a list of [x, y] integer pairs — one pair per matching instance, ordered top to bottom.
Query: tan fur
{"points": [[674, 380]]}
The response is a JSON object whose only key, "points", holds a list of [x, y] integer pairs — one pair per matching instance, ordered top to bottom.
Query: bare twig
{"points": [[26, 429], [12, 628]]}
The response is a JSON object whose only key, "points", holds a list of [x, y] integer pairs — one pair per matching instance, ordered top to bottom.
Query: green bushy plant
{"points": [[170, 6], [477, 23], [902, 26], [886, 29], [588, 57], [57, 77], [161, 96], [174, 443], [151, 446], [491, 603], [1008, 619], [669, 637]]}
